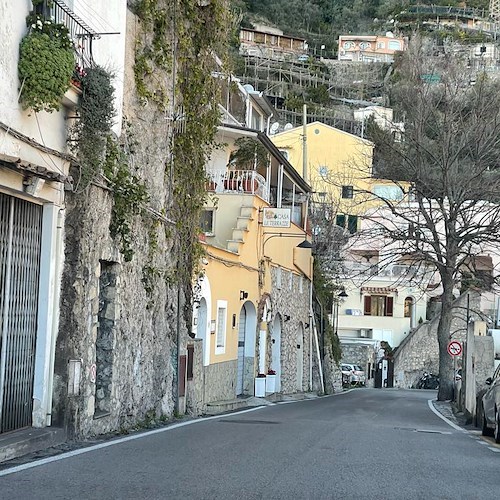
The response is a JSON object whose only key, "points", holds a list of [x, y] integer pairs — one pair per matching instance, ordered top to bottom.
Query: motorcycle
{"points": [[428, 381]]}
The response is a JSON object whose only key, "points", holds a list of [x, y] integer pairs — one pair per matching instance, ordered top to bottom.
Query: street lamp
{"points": [[303, 244], [336, 300]]}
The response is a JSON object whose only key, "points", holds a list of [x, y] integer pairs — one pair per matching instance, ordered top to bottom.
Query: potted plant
{"points": [[271, 381], [260, 385]]}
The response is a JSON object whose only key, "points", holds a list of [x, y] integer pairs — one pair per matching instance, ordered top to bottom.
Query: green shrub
{"points": [[46, 64]]}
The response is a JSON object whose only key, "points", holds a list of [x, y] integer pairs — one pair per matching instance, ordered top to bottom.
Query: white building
{"points": [[34, 173]]}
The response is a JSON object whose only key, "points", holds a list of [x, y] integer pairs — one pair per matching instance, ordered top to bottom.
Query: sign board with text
{"points": [[276, 217]]}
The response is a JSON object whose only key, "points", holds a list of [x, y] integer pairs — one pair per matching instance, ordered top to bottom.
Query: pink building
{"points": [[370, 48]]}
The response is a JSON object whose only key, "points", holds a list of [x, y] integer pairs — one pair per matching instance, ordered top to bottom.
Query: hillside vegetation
{"points": [[321, 21]]}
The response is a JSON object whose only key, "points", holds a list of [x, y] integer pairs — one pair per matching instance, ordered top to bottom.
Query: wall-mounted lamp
{"points": [[303, 244], [243, 295], [286, 317], [306, 326]]}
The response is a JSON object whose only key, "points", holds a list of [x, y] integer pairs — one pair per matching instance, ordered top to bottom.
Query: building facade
{"points": [[370, 48], [252, 312]]}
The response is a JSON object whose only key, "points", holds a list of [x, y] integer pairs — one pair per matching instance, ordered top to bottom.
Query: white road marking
{"points": [[442, 417], [81, 451]]}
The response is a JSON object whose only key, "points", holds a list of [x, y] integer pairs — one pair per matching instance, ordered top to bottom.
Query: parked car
{"points": [[353, 374], [488, 407]]}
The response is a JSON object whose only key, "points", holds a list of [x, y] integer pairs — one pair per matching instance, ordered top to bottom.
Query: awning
{"points": [[378, 290]]}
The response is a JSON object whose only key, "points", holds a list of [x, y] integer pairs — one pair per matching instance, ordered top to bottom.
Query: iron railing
{"points": [[81, 33], [237, 181]]}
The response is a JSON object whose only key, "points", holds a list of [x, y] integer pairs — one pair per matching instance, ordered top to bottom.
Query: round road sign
{"points": [[454, 348]]}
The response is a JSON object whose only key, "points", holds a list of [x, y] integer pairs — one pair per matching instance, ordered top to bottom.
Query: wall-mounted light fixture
{"points": [[303, 244], [243, 295], [286, 317], [306, 326]]}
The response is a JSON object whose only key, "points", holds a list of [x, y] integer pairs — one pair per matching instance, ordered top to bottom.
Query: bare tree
{"points": [[446, 163]]}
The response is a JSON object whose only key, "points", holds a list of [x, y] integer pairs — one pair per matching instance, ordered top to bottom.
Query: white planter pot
{"points": [[271, 383], [260, 387]]}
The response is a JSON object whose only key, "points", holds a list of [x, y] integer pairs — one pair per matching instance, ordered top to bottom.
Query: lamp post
{"points": [[336, 300]]}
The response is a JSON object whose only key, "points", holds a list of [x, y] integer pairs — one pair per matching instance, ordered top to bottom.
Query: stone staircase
{"points": [[243, 221]]}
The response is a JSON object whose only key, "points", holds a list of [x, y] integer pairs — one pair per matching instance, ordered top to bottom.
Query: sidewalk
{"points": [[448, 410]]}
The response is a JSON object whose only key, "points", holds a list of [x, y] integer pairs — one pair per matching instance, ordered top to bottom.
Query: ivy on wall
{"points": [[184, 38], [95, 118], [129, 196]]}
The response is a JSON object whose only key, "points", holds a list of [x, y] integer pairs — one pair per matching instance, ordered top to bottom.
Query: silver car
{"points": [[355, 373], [490, 407]]}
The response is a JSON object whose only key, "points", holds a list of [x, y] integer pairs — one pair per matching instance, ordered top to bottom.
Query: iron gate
{"points": [[20, 242]]}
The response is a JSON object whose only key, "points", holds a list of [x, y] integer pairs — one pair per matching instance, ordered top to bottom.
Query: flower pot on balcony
{"points": [[250, 185], [271, 383], [260, 387]]}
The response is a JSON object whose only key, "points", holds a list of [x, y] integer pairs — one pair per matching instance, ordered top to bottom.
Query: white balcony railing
{"points": [[237, 181], [393, 272]]}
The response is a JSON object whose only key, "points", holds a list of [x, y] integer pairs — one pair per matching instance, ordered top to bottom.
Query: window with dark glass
{"points": [[347, 191]]}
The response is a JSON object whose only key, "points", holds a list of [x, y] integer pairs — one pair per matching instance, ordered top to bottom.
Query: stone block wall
{"points": [[290, 299], [125, 335], [419, 352], [362, 355], [332, 373], [220, 381], [195, 386]]}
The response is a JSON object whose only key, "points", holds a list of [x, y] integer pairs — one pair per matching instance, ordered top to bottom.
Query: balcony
{"points": [[81, 34], [238, 181], [395, 272]]}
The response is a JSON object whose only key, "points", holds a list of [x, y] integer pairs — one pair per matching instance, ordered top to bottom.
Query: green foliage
{"points": [[201, 32], [153, 51], [46, 64], [319, 94], [96, 112], [249, 155], [129, 195]]}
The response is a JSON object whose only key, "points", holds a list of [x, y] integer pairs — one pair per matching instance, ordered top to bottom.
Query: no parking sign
{"points": [[454, 348]]}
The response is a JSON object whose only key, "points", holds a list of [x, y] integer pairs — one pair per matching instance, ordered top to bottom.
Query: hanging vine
{"points": [[188, 38], [95, 118]]}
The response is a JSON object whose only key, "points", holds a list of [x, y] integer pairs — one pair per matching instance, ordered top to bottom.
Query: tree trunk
{"points": [[446, 375]]}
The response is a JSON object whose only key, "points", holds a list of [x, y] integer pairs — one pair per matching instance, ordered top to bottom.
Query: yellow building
{"points": [[338, 167], [252, 303]]}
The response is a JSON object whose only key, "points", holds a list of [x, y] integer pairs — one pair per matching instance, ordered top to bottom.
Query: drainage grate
{"points": [[248, 422]]}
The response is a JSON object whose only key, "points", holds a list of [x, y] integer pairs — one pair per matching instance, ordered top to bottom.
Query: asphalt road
{"points": [[365, 444]]}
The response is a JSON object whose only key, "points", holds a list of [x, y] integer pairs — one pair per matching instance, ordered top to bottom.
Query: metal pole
{"points": [[304, 143]]}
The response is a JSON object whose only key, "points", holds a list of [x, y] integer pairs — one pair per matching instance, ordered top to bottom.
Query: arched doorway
{"points": [[409, 310], [202, 316], [246, 348], [276, 350], [300, 358]]}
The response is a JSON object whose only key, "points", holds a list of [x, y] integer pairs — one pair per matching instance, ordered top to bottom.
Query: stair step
{"points": [[222, 406]]}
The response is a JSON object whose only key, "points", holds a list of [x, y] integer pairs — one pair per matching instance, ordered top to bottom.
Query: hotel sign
{"points": [[277, 217]]}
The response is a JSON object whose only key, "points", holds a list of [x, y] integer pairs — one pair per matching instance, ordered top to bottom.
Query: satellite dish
{"points": [[249, 88], [288, 126], [274, 128]]}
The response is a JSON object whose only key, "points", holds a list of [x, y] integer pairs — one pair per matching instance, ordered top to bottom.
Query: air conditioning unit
{"points": [[365, 333]]}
